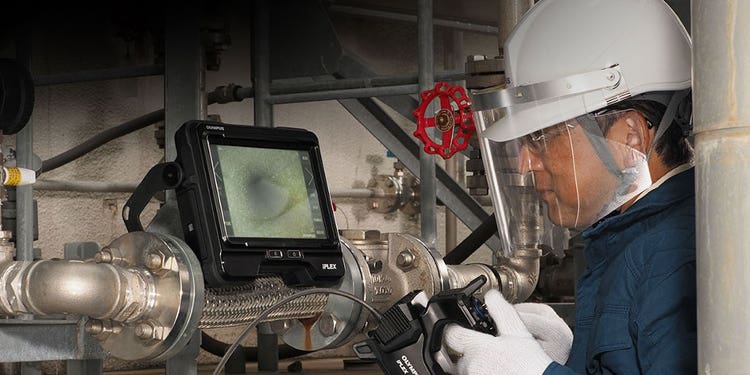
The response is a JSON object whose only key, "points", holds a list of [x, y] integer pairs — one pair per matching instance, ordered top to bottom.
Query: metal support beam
{"points": [[426, 63], [261, 70], [46, 340], [184, 362]]}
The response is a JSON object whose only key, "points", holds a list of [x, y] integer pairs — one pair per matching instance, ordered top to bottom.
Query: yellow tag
{"points": [[14, 177]]}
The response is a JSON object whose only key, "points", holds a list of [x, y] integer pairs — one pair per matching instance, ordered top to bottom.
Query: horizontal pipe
{"points": [[371, 13], [99, 75], [280, 88], [344, 94], [85, 186], [129, 187], [52, 287]]}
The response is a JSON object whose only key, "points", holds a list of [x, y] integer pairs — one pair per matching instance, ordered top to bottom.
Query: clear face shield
{"points": [[569, 174]]}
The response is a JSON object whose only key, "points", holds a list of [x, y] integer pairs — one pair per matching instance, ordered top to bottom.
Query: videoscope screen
{"points": [[267, 193]]}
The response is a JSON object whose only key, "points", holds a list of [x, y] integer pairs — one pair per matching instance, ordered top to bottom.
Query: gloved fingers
{"points": [[537, 308], [506, 318], [547, 329], [458, 338]]}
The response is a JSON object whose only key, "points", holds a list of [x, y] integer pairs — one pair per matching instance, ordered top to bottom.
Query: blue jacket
{"points": [[636, 301]]}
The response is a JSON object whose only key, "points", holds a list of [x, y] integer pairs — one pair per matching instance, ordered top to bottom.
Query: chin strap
{"points": [[679, 110]]}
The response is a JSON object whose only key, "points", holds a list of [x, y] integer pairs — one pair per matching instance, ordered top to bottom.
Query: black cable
{"points": [[230, 92], [102, 138], [470, 244], [219, 348]]}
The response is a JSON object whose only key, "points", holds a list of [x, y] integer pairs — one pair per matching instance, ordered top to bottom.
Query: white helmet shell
{"points": [[561, 51]]}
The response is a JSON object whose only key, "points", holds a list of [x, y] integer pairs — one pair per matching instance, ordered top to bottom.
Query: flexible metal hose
{"points": [[238, 305]]}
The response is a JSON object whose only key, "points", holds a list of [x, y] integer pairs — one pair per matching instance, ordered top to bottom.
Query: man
{"points": [[595, 118]]}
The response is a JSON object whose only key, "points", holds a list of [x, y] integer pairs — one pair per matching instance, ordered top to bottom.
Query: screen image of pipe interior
{"points": [[267, 193]]}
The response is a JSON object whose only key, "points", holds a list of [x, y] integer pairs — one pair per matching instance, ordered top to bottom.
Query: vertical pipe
{"points": [[509, 13], [454, 59], [261, 68], [184, 74], [184, 100], [721, 102], [25, 157], [426, 161], [268, 350]]}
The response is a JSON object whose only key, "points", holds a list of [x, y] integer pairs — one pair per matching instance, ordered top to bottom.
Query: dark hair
{"points": [[673, 147]]}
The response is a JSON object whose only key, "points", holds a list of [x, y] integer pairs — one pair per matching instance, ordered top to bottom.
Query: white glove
{"points": [[549, 330], [513, 351]]}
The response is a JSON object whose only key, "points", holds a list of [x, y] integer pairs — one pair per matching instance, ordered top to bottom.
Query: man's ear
{"points": [[638, 136]]}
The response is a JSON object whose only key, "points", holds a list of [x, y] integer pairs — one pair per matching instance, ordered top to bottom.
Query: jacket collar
{"points": [[674, 189]]}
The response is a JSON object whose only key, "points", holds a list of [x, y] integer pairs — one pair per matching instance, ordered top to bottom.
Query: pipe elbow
{"points": [[519, 274]]}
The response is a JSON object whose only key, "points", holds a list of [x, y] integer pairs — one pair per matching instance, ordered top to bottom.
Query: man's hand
{"points": [[549, 330], [513, 351]]}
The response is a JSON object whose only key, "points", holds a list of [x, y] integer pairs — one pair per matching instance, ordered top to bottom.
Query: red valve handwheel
{"points": [[453, 119]]}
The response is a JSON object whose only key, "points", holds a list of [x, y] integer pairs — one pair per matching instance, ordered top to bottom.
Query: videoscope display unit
{"points": [[252, 201]]}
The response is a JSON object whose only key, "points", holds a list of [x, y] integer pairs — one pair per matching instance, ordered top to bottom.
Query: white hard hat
{"points": [[568, 58]]}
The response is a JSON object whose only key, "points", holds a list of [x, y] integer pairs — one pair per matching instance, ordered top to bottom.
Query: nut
{"points": [[104, 255], [405, 259], [153, 261], [327, 325], [94, 326], [148, 331]]}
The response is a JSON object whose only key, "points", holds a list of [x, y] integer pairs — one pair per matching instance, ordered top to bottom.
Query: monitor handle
{"points": [[163, 176]]}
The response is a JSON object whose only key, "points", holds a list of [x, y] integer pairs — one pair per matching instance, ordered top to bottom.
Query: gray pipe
{"points": [[510, 12], [451, 24], [426, 64], [261, 65], [721, 72]]}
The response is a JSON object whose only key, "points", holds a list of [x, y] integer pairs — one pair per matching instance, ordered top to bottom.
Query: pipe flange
{"points": [[388, 194], [176, 297], [342, 319]]}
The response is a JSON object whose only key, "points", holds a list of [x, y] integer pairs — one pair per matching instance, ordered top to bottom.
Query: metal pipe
{"points": [[510, 12], [457, 25], [454, 57], [426, 66], [261, 69], [99, 75], [184, 75], [288, 86], [343, 94], [721, 102], [86, 186], [359, 193], [24, 235], [519, 274], [52, 287]]}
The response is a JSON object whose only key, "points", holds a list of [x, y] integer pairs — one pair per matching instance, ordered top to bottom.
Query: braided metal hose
{"points": [[237, 305]]}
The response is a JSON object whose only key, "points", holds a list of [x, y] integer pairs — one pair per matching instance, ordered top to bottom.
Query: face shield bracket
{"points": [[609, 78]]}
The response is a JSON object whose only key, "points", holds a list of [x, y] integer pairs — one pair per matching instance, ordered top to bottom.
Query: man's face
{"points": [[568, 174]]}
